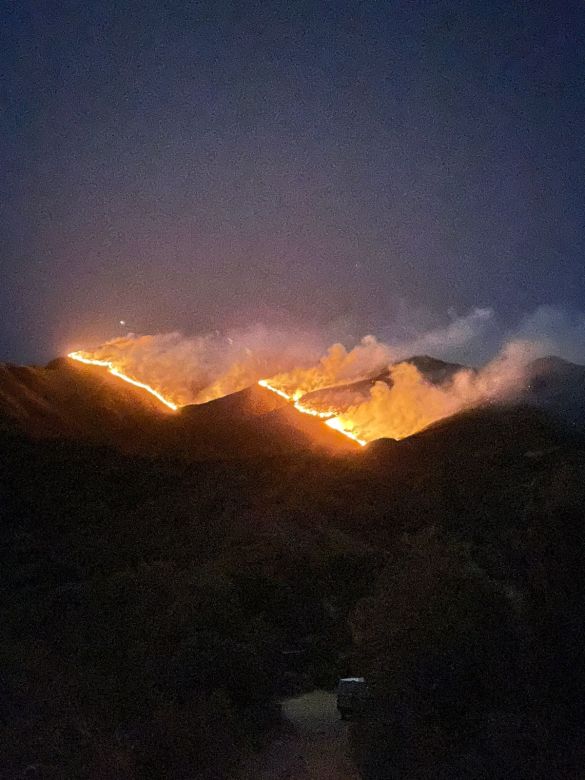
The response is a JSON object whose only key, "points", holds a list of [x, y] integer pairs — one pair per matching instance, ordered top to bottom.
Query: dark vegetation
{"points": [[154, 609], [473, 641]]}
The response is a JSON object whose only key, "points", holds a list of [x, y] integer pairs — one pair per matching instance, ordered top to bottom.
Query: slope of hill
{"points": [[558, 385], [349, 393], [65, 398], [87, 403], [153, 609]]}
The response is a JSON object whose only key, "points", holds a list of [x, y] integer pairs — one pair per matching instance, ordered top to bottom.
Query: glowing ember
{"points": [[116, 372], [281, 393], [365, 393], [313, 412], [329, 418], [337, 425]]}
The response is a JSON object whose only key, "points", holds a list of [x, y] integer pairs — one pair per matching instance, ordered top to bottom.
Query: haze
{"points": [[351, 168]]}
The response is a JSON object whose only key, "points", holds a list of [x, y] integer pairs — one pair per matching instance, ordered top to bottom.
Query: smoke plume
{"points": [[197, 369], [370, 391], [410, 401]]}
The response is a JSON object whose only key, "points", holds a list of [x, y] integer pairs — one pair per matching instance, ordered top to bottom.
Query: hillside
{"points": [[559, 386], [348, 393], [86, 403], [155, 608]]}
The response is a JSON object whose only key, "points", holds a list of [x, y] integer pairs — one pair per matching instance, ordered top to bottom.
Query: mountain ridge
{"points": [[65, 398], [74, 400]]}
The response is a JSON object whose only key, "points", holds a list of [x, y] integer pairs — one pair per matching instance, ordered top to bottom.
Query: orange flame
{"points": [[116, 372], [365, 393], [329, 419], [337, 425]]}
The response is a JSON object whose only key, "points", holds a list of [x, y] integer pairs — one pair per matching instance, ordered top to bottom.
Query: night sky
{"points": [[336, 165]]}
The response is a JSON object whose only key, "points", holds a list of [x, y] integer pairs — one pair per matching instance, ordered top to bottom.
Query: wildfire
{"points": [[116, 372], [281, 393], [365, 393], [329, 418], [337, 425]]}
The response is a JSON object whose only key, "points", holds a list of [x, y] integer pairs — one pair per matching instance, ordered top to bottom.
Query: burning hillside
{"points": [[115, 371], [364, 393], [76, 400], [329, 417]]}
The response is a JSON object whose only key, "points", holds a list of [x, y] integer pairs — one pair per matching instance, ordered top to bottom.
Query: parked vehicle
{"points": [[352, 695]]}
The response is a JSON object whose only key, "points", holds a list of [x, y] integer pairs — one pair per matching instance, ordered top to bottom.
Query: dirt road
{"points": [[313, 746]]}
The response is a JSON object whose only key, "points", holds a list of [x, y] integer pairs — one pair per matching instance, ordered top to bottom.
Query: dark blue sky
{"points": [[330, 164]]}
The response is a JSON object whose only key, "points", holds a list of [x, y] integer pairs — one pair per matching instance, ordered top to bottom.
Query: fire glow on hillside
{"points": [[121, 375], [365, 393], [328, 417]]}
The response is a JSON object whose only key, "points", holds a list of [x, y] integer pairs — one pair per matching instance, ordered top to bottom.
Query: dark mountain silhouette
{"points": [[434, 370], [559, 386], [168, 577]]}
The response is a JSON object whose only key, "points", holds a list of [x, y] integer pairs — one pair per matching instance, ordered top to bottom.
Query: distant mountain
{"points": [[434, 370], [559, 386], [352, 393], [67, 399]]}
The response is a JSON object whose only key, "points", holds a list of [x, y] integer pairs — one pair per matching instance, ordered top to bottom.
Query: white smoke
{"points": [[553, 330], [448, 340], [200, 368], [196, 369], [411, 401]]}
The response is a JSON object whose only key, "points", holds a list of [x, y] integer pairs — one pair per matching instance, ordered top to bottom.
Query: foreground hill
{"points": [[87, 403], [155, 606], [153, 609]]}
